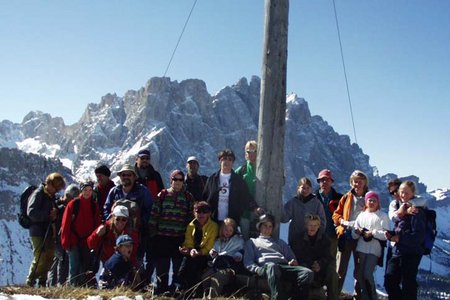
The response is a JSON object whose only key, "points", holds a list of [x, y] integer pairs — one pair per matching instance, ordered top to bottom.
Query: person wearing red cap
{"points": [[330, 200]]}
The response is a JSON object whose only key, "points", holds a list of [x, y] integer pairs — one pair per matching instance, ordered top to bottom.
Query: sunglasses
{"points": [[250, 151], [145, 157], [126, 174], [177, 179], [324, 179], [393, 192], [202, 210], [120, 219]]}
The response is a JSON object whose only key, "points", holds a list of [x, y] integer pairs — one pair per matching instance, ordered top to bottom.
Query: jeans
{"points": [[79, 259], [366, 268], [402, 269], [59, 270], [276, 274]]}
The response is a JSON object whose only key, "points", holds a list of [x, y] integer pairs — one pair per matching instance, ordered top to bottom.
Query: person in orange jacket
{"points": [[349, 207]]}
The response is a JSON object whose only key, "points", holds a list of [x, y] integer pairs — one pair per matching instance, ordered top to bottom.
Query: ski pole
{"points": [[41, 250]]}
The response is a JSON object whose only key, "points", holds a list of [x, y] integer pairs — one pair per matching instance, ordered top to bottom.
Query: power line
{"points": [[179, 38], [345, 71]]}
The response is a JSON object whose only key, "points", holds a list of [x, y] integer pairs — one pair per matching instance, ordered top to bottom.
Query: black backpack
{"points": [[24, 219], [430, 231]]}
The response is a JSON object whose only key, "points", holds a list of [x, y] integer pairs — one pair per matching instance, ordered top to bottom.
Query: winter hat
{"points": [[143, 152], [126, 168], [102, 169], [176, 172], [325, 173], [83, 185], [370, 195], [120, 211], [265, 218], [124, 239]]}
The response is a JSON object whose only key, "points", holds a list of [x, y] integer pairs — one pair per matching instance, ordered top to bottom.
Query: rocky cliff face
{"points": [[174, 120]]}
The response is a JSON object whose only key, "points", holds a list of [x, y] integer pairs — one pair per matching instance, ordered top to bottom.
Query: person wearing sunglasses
{"points": [[146, 173], [226, 192], [330, 200], [171, 213], [103, 239], [199, 239]]}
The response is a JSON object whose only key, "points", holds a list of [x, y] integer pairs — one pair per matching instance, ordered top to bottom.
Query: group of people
{"points": [[203, 228]]}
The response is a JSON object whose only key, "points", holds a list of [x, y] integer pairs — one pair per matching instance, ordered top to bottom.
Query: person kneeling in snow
{"points": [[118, 269]]}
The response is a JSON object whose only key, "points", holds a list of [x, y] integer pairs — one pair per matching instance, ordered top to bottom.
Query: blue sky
{"points": [[58, 56]]}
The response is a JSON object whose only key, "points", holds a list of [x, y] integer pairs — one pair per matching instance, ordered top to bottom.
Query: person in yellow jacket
{"points": [[349, 207], [199, 240]]}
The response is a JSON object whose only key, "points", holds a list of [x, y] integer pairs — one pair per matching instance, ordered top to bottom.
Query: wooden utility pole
{"points": [[272, 108]]}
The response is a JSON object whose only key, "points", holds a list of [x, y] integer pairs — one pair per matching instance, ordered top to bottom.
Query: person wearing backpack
{"points": [[42, 213], [171, 213], [80, 218], [103, 239], [60, 268], [400, 279]]}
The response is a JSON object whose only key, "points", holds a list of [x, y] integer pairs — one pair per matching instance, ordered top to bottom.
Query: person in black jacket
{"points": [[146, 174], [195, 183], [226, 192], [43, 212], [312, 251], [60, 268]]}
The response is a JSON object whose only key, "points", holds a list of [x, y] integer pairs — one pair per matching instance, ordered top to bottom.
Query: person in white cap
{"points": [[195, 183], [103, 238]]}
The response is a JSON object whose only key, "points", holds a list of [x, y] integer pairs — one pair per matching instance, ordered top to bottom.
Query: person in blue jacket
{"points": [[118, 269]]}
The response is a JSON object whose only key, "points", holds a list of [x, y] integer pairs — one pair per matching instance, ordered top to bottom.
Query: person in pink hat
{"points": [[370, 228]]}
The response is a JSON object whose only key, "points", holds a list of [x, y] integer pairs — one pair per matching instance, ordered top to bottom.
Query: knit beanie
{"points": [[102, 169], [83, 185], [370, 195]]}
